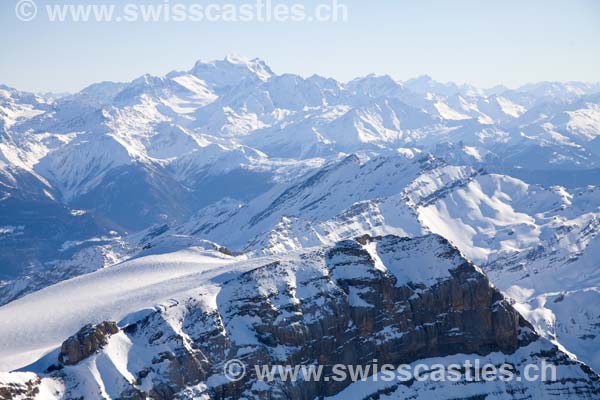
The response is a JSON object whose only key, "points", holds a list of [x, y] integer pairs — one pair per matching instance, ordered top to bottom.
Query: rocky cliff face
{"points": [[393, 299], [87, 341]]}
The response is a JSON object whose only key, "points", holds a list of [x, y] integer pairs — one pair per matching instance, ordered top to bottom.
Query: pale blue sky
{"points": [[481, 42]]}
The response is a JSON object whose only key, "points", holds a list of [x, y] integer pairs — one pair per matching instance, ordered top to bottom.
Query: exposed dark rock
{"points": [[329, 306], [462, 314], [86, 342], [26, 390]]}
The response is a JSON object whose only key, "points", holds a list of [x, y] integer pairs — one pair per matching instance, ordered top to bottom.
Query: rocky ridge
{"points": [[394, 299]]}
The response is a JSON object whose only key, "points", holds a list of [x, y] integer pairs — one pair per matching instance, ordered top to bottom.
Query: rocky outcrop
{"points": [[393, 299], [361, 313], [86, 342], [26, 386]]}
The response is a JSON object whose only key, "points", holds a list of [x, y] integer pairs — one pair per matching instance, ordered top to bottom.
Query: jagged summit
{"points": [[231, 71], [165, 181], [396, 299]]}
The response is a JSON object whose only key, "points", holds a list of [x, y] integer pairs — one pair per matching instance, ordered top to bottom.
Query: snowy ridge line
{"points": [[230, 161], [384, 292]]}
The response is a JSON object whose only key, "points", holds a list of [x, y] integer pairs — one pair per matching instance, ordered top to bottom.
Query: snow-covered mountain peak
{"points": [[232, 70], [325, 83], [426, 84], [374, 85], [558, 89], [98, 94], [17, 106], [268, 165], [166, 323]]}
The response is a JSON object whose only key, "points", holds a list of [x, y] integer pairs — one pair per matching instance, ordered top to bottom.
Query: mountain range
{"points": [[173, 206]]}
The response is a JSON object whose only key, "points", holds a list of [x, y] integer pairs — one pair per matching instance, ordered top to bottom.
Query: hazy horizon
{"points": [[483, 44], [306, 75]]}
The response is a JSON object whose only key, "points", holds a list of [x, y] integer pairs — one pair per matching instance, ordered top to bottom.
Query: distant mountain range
{"points": [[237, 165]]}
